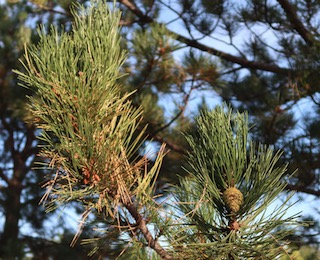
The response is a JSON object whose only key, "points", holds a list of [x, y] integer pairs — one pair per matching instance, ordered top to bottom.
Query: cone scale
{"points": [[233, 199]]}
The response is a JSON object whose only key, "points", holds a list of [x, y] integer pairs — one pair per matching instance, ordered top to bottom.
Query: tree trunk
{"points": [[10, 246]]}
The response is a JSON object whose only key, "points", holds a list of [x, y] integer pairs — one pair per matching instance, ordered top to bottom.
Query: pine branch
{"points": [[133, 8], [296, 22], [195, 44], [231, 58], [90, 129], [170, 145], [235, 186], [303, 189], [142, 225]]}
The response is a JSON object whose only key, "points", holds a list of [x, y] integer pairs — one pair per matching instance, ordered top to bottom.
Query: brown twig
{"points": [[134, 9], [228, 57], [170, 145], [298, 188], [142, 225]]}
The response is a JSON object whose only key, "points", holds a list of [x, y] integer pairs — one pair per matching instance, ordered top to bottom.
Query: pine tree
{"points": [[176, 55], [92, 137], [19, 183]]}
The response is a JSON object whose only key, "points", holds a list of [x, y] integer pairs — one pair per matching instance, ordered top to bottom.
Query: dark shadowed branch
{"points": [[296, 22], [195, 44]]}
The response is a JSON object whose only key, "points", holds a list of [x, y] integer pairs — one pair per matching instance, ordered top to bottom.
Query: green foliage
{"points": [[214, 7], [152, 50], [200, 67], [269, 74], [88, 128], [223, 161], [19, 184]]}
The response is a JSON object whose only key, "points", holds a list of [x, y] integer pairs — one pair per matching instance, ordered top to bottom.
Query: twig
{"points": [[170, 145], [303, 189], [142, 225]]}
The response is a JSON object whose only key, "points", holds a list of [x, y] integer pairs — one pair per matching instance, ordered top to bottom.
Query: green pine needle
{"points": [[90, 131], [223, 157]]}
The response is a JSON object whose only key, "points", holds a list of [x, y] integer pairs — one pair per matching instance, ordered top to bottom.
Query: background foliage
{"points": [[259, 56]]}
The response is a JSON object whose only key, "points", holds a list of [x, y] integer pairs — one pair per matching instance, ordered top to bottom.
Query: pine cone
{"points": [[233, 199]]}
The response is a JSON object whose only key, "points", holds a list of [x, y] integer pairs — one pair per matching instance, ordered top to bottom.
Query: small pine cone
{"points": [[233, 199]]}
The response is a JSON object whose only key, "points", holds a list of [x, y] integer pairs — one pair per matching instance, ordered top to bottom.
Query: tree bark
{"points": [[9, 239], [10, 247]]}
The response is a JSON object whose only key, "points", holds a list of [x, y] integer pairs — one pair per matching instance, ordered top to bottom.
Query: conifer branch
{"points": [[133, 8], [296, 22], [196, 44], [231, 58], [89, 129], [170, 145], [236, 185], [298, 188], [142, 225]]}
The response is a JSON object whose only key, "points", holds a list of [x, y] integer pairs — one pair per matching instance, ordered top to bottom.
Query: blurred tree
{"points": [[259, 56], [19, 184], [22, 228]]}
